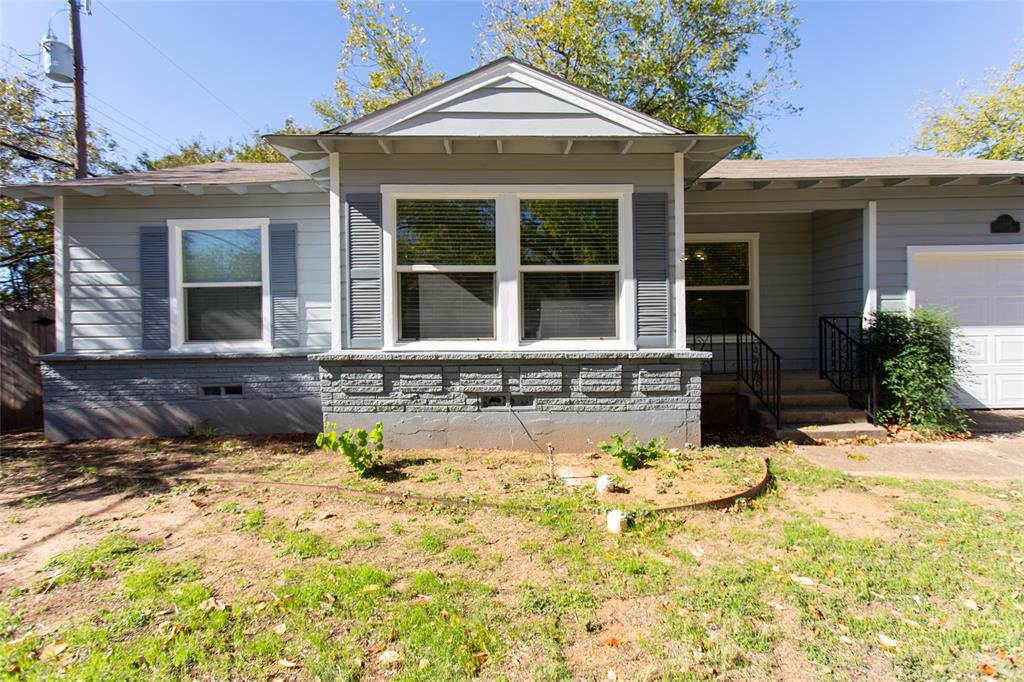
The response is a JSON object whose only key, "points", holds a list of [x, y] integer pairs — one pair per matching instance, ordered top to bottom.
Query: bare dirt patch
{"points": [[851, 514]]}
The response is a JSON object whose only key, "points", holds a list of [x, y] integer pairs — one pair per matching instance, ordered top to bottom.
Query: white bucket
{"points": [[605, 483], [617, 521]]}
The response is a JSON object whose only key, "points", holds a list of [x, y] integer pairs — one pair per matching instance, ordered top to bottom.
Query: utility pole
{"points": [[81, 137]]}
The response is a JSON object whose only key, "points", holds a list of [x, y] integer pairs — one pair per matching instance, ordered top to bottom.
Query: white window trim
{"points": [[753, 239], [177, 293], [507, 294]]}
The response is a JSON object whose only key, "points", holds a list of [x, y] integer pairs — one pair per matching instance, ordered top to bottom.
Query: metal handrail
{"points": [[753, 360], [846, 361]]}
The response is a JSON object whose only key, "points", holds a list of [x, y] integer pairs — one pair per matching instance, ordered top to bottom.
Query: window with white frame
{"points": [[569, 264], [502, 266], [446, 268], [221, 272], [721, 277]]}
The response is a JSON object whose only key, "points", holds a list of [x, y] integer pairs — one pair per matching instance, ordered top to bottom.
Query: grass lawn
{"points": [[112, 578]]}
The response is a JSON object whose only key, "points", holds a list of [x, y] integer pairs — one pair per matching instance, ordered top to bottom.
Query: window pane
{"points": [[445, 231], [569, 231], [221, 256], [717, 264], [457, 305], [569, 305], [715, 305], [224, 313]]}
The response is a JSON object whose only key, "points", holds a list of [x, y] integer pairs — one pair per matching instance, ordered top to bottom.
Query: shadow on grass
{"points": [[392, 472]]}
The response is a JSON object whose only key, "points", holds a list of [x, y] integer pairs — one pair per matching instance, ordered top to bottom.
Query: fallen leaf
{"points": [[855, 456], [198, 502], [801, 580], [371, 588], [423, 599], [212, 604], [281, 628], [611, 641], [887, 641], [376, 648], [53, 650], [388, 657], [481, 657], [285, 663], [987, 669]]}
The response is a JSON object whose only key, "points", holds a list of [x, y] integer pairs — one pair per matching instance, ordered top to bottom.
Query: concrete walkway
{"points": [[981, 458]]}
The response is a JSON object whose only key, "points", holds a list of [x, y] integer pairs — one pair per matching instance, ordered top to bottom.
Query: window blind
{"points": [[446, 231], [569, 231], [456, 305], [566, 305]]}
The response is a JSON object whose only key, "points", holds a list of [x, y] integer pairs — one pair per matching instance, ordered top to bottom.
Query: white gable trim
{"points": [[380, 122]]}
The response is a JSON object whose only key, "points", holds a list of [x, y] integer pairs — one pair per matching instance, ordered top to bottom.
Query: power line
{"points": [[178, 67], [112, 118], [133, 119], [127, 133], [30, 155]]}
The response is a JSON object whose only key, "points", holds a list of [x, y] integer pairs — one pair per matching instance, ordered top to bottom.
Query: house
{"points": [[508, 260]]}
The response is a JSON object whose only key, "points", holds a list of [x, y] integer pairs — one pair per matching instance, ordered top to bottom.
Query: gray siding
{"points": [[931, 222], [838, 241], [786, 257], [104, 280]]}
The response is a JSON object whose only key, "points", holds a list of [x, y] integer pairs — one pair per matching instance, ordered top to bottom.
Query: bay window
{"points": [[503, 267], [221, 272], [721, 274]]}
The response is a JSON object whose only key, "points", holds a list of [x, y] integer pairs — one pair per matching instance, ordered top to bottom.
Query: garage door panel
{"points": [[985, 293], [1009, 349], [1009, 390]]}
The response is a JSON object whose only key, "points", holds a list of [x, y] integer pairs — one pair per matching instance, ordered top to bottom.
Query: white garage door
{"points": [[985, 292]]}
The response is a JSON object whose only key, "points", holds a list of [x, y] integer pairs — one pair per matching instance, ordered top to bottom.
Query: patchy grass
{"points": [[264, 583]]}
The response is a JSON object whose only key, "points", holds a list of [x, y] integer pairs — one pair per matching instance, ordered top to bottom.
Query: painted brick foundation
{"points": [[102, 397], [514, 400]]}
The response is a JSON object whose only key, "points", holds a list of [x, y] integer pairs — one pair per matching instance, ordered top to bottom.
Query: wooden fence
{"points": [[24, 334]]}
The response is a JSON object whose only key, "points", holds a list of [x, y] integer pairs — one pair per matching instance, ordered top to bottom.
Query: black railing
{"points": [[736, 349], [846, 361]]}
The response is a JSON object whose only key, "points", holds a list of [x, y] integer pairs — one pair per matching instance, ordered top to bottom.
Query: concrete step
{"points": [[794, 382], [814, 399], [821, 416], [821, 434]]}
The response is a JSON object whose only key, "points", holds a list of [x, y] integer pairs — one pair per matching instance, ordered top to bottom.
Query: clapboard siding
{"points": [[934, 222], [838, 239], [786, 270], [104, 295]]}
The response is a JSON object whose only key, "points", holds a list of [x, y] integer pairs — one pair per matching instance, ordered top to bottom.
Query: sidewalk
{"points": [[985, 457]]}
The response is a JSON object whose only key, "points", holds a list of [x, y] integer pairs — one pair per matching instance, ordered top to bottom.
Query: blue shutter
{"points": [[650, 266], [155, 271], [283, 286], [365, 286]]}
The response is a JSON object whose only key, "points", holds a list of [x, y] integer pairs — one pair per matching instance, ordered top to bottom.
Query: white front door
{"points": [[985, 292]]}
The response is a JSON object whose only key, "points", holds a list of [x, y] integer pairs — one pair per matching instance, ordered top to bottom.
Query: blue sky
{"points": [[862, 68]]}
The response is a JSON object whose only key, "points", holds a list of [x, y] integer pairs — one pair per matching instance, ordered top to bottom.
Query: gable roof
{"points": [[512, 98]]}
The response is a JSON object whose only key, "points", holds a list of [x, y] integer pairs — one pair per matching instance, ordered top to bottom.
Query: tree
{"points": [[380, 37], [688, 63], [987, 123], [37, 145], [196, 151]]}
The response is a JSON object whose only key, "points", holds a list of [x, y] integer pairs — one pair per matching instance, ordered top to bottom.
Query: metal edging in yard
{"points": [[719, 503]]}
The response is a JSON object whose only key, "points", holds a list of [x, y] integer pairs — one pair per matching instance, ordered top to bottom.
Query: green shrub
{"points": [[919, 361], [360, 447], [631, 452]]}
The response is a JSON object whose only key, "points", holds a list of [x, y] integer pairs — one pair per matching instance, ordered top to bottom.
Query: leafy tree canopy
{"points": [[382, 39], [700, 65], [987, 123], [32, 128], [196, 151]]}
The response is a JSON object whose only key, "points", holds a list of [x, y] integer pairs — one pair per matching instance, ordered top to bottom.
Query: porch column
{"points": [[678, 247], [337, 262], [870, 274], [60, 315]]}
